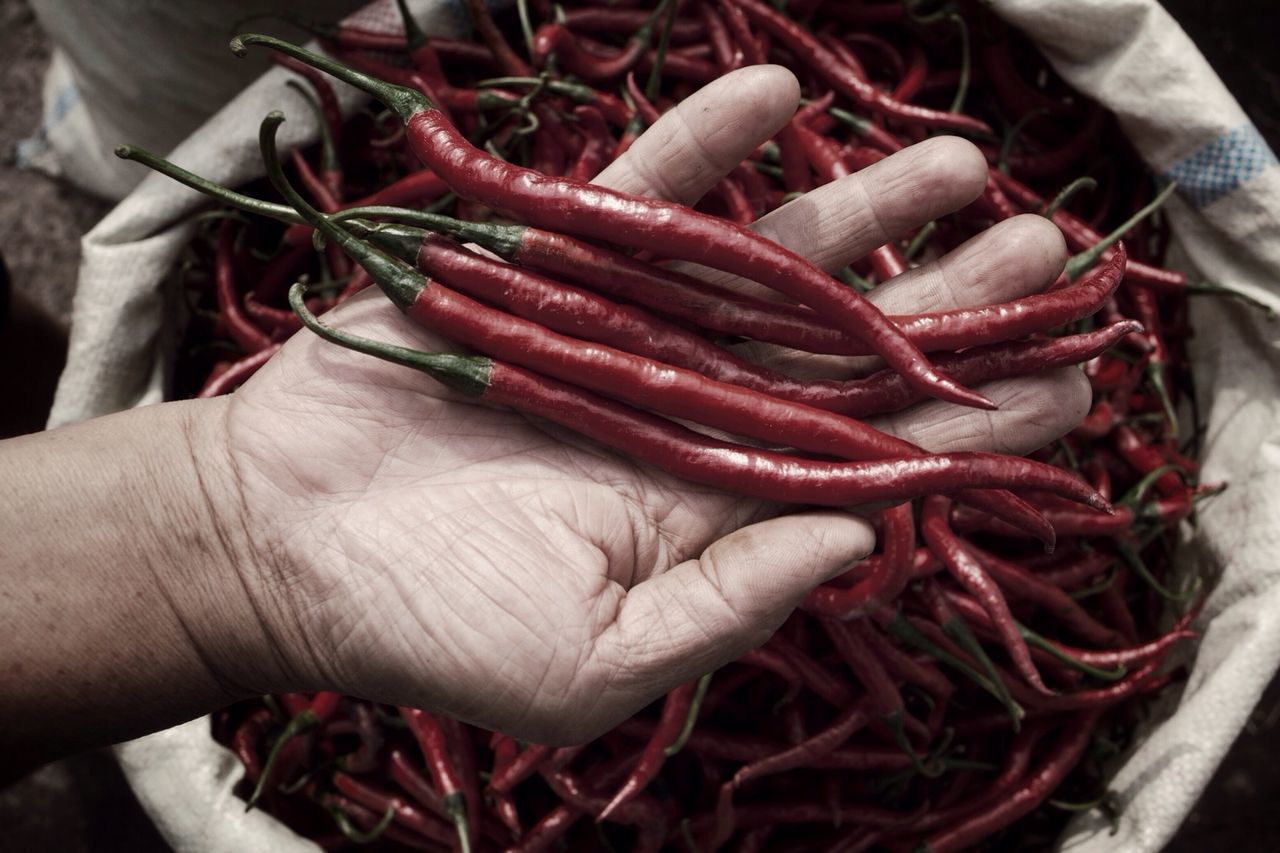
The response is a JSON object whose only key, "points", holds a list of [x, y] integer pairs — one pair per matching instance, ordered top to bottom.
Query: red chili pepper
{"points": [[602, 19], [740, 28], [495, 41], [574, 53], [728, 55], [845, 55], [892, 57], [826, 65], [912, 79], [329, 108], [597, 144], [594, 211], [238, 326], [237, 373], [716, 404], [685, 453], [965, 568], [883, 584], [1021, 584], [812, 673], [675, 710], [839, 731], [431, 740], [246, 743], [1017, 758], [1047, 775], [408, 776], [380, 801], [548, 830]]}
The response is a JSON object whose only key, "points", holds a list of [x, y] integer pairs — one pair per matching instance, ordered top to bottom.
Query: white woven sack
{"points": [[1130, 56]]}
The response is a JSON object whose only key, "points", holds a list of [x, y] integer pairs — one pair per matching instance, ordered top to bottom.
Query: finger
{"points": [[691, 147], [840, 222], [1011, 259], [1034, 410], [705, 612]]}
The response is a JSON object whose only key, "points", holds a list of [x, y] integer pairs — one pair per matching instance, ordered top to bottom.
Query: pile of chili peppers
{"points": [[942, 689]]}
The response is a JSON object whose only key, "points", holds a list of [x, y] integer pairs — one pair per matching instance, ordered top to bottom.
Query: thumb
{"points": [[703, 613]]}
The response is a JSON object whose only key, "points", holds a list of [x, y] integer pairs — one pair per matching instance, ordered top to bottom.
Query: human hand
{"points": [[399, 544]]}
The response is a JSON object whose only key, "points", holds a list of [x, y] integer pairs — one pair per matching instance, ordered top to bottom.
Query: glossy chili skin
{"points": [[844, 80], [589, 210], [644, 223], [581, 314], [885, 392], [969, 573], [880, 586], [675, 709], [803, 754]]}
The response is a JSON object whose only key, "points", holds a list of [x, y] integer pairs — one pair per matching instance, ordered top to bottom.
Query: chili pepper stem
{"points": [[402, 99], [1065, 195], [1082, 261], [1209, 288], [466, 374], [699, 693], [302, 722], [455, 805], [366, 836]]}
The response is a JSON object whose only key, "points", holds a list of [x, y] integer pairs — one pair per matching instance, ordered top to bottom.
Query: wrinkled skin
{"points": [[404, 545]]}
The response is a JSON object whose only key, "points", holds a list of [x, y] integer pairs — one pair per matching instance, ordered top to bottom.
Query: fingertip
{"points": [[784, 80], [774, 92], [963, 163], [1033, 237], [1071, 392], [847, 539]]}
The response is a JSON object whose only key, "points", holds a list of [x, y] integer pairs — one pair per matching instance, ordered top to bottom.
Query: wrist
{"points": [[122, 566], [219, 580]]}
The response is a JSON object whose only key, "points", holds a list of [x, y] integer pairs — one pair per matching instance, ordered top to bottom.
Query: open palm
{"points": [[414, 548]]}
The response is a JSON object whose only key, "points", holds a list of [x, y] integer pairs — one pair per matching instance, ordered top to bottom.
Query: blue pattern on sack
{"points": [[1224, 164]]}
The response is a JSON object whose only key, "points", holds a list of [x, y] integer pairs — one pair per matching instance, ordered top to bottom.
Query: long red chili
{"points": [[836, 74], [644, 223], [717, 404], [965, 568], [675, 710], [430, 737], [1047, 775]]}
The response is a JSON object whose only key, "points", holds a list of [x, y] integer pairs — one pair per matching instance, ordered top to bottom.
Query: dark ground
{"points": [[83, 804]]}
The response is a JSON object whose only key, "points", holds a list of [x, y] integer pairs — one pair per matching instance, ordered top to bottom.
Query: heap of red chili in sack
{"points": [[958, 681]]}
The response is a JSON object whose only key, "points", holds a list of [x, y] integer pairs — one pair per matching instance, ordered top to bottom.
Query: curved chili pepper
{"points": [[602, 19], [740, 30], [495, 41], [572, 52], [728, 55], [837, 75], [597, 143], [645, 223], [230, 313], [237, 373], [820, 431], [936, 530], [884, 583], [1021, 584], [675, 709], [839, 731], [430, 738], [246, 743], [1047, 775], [380, 801]]}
